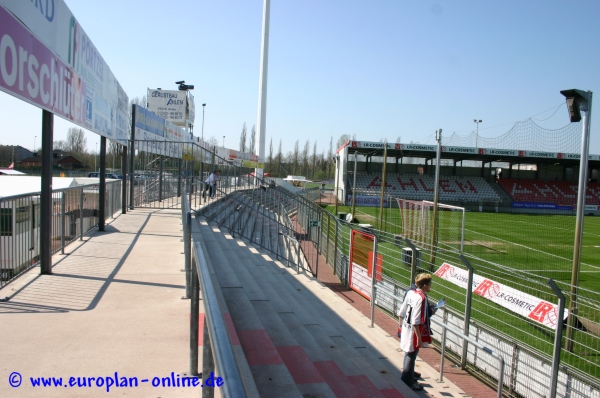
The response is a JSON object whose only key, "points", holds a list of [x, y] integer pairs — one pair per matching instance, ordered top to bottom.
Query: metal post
{"points": [[585, 109], [438, 137], [132, 162], [179, 170], [160, 178], [354, 185], [124, 186], [102, 192], [46, 194], [382, 197], [81, 215], [62, 223], [318, 243], [335, 246], [188, 250], [413, 261], [373, 279], [194, 319], [445, 320], [557, 337], [463, 361], [208, 362]]}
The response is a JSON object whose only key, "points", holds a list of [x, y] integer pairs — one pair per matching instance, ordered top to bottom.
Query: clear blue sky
{"points": [[377, 69]]}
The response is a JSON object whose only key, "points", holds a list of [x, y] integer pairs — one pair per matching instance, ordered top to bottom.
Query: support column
{"points": [[124, 186], [46, 193], [102, 193]]}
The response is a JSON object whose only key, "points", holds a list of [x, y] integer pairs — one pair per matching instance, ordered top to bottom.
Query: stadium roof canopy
{"points": [[398, 150]]}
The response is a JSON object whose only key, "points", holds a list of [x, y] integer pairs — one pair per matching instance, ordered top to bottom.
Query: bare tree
{"points": [[243, 139], [342, 140], [76, 141], [213, 141], [60, 145], [252, 148], [329, 156], [295, 157], [279, 158], [305, 158], [314, 159], [270, 160]]}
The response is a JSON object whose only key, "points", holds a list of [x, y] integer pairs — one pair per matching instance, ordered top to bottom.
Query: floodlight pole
{"points": [[262, 87], [585, 107], [436, 192]]}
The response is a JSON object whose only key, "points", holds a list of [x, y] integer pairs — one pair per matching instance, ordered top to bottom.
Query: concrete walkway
{"points": [[112, 309]]}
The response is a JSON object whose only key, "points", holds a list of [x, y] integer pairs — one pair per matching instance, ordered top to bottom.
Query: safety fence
{"points": [[74, 212], [503, 313]]}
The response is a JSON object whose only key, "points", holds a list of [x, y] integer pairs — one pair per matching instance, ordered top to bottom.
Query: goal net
{"points": [[417, 222]]}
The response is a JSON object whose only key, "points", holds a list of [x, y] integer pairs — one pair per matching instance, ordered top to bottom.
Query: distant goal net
{"points": [[416, 219]]}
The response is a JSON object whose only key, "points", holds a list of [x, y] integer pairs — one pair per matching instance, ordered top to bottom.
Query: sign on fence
{"points": [[512, 299]]}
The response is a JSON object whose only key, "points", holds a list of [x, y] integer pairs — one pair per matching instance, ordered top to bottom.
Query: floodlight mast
{"points": [[579, 104], [438, 156]]}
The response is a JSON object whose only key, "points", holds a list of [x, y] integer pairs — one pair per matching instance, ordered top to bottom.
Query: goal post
{"points": [[417, 224]]}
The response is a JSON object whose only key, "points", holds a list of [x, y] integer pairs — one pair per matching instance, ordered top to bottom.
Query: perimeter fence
{"points": [[513, 312]]}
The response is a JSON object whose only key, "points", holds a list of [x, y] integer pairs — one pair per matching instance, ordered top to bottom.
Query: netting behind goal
{"points": [[417, 224]]}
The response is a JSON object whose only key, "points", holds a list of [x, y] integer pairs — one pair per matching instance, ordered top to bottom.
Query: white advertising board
{"points": [[47, 59], [169, 104], [156, 135], [512, 299]]}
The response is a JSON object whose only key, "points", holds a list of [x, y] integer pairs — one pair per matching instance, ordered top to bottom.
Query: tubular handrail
{"points": [[218, 335], [477, 344]]}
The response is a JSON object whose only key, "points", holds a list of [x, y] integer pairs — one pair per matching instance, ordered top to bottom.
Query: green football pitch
{"points": [[537, 244], [516, 250]]}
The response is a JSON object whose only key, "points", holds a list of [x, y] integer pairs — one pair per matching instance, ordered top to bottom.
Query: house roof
{"points": [[11, 172], [30, 184]]}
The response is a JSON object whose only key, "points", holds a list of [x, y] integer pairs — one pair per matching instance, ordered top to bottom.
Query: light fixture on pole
{"points": [[579, 105], [203, 107], [477, 134], [34, 140]]}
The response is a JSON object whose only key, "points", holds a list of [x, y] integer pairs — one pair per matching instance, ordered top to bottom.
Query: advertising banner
{"points": [[48, 60], [169, 104], [156, 137], [366, 200], [539, 205], [360, 271], [514, 300]]}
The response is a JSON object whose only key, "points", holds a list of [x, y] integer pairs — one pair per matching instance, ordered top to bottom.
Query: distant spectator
{"points": [[211, 184]]}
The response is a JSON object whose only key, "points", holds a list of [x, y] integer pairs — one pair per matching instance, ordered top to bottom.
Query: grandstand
{"points": [[481, 179], [421, 187]]}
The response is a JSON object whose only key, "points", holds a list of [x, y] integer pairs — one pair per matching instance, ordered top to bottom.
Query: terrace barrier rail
{"points": [[74, 212]]}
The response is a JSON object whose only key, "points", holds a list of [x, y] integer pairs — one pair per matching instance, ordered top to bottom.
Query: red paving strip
{"points": [[231, 329], [200, 330], [259, 348], [299, 365], [336, 379], [468, 383], [365, 387], [391, 393]]}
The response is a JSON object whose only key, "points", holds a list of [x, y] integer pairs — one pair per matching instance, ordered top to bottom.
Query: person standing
{"points": [[211, 184], [415, 312]]}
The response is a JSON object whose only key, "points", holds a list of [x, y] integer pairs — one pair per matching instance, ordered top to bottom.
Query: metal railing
{"points": [[74, 212], [217, 351]]}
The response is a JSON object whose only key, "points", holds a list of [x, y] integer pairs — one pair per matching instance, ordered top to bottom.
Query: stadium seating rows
{"points": [[421, 187], [559, 192]]}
